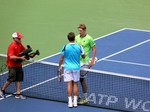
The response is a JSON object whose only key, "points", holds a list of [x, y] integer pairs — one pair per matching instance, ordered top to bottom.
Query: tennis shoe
{"points": [[2, 94], [19, 96], [83, 101], [86, 101], [75, 103], [70, 104]]}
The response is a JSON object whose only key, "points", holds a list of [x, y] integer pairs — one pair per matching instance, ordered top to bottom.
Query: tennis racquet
{"points": [[84, 68], [59, 75]]}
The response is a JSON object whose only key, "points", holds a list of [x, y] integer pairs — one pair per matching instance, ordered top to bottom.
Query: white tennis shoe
{"points": [[70, 104]]}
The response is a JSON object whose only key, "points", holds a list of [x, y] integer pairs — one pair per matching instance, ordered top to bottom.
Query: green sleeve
{"points": [[92, 43]]}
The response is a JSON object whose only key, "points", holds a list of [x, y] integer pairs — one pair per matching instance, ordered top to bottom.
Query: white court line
{"points": [[137, 29], [109, 34], [101, 38], [94, 39], [124, 50], [4, 55], [49, 56], [126, 62], [110, 73], [35, 85], [30, 87]]}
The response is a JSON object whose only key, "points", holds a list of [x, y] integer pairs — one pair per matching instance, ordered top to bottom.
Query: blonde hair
{"points": [[82, 26]]}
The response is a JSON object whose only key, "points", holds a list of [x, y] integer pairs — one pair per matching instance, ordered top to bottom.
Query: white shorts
{"points": [[84, 65], [71, 75]]}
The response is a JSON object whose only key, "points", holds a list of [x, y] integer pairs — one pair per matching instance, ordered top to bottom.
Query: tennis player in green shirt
{"points": [[88, 44]]}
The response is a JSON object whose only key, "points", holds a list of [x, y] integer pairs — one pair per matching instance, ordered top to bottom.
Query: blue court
{"points": [[125, 51], [119, 80]]}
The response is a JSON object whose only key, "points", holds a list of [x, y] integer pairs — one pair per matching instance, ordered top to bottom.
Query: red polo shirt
{"points": [[13, 50]]}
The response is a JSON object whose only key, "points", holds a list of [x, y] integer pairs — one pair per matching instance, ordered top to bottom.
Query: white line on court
{"points": [[137, 29], [110, 34], [102, 37], [94, 39], [124, 50], [49, 56], [126, 62], [110, 73], [35, 85], [30, 87]]}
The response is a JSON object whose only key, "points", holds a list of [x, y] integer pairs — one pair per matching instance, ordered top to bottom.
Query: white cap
{"points": [[17, 35]]}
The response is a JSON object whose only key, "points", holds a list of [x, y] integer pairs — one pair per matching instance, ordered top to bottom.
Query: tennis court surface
{"points": [[119, 80]]}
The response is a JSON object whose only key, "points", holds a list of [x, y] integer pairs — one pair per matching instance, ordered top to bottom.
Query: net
{"points": [[2, 63], [3, 67], [105, 89]]}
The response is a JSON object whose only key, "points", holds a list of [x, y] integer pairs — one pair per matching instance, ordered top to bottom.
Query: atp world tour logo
{"points": [[110, 100]]}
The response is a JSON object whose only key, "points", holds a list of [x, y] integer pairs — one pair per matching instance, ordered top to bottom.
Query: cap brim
{"points": [[20, 36]]}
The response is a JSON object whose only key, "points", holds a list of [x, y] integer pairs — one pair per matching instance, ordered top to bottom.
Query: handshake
{"points": [[27, 53]]}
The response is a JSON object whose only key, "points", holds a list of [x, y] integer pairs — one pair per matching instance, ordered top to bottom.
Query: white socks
{"points": [[74, 103], [70, 104]]}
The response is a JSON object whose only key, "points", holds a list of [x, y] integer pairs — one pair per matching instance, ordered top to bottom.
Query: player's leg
{"points": [[76, 77], [68, 79], [83, 81], [84, 87], [69, 88], [69, 91], [75, 91], [83, 100]]}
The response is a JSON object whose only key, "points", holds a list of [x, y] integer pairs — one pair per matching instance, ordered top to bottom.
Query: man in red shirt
{"points": [[15, 68]]}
